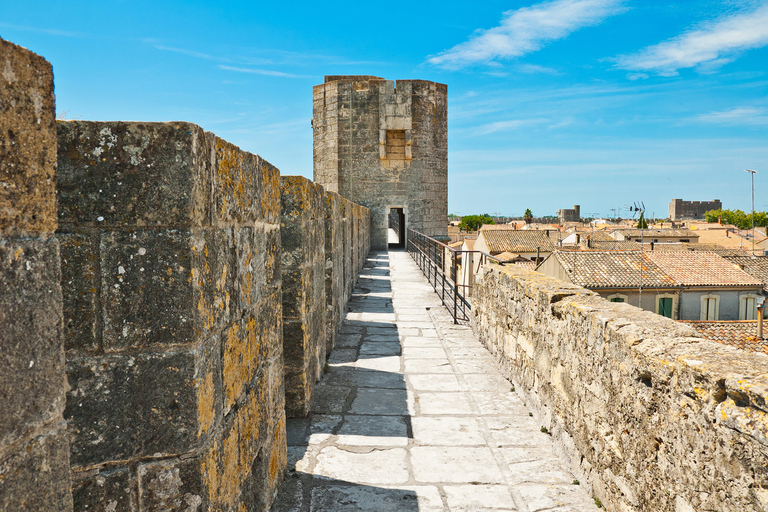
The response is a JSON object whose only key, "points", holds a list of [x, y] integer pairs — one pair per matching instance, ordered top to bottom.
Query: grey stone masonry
{"points": [[384, 145], [679, 209], [324, 243], [170, 247], [414, 416], [654, 417], [34, 449]]}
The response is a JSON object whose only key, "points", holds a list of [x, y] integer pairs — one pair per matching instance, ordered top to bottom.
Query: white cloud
{"points": [[526, 30], [708, 47], [533, 69], [265, 72], [736, 116], [512, 124]]}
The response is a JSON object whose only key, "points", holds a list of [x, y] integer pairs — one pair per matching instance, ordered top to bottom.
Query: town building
{"points": [[679, 209], [679, 285]]}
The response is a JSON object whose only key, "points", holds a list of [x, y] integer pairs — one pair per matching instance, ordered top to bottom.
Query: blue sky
{"points": [[593, 102]]}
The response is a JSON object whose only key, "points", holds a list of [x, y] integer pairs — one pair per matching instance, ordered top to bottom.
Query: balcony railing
{"points": [[451, 272]]}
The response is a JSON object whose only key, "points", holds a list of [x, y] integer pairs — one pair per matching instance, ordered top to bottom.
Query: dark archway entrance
{"points": [[396, 231]]}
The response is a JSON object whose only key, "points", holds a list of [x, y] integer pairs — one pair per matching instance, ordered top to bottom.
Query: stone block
{"points": [[27, 143], [127, 174], [237, 184], [252, 255], [80, 283], [165, 287], [147, 295], [244, 358], [32, 380], [167, 403], [231, 457], [36, 477], [172, 485], [106, 489]]}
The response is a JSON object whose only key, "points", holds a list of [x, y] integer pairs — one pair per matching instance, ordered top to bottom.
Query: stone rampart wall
{"points": [[325, 241], [170, 247], [652, 417], [34, 450]]}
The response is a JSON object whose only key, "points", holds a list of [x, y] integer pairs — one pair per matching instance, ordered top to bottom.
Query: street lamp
{"points": [[750, 171]]}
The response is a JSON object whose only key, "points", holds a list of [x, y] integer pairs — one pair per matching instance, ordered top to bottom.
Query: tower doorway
{"points": [[396, 225]]}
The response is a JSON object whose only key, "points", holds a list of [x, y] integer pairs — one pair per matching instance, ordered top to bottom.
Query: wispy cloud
{"points": [[526, 30], [49, 31], [707, 47], [188, 53], [533, 69], [265, 72], [738, 115], [512, 124]]}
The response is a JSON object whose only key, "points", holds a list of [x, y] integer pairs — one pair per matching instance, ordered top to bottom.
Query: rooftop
{"points": [[517, 241], [611, 269], [701, 269], [741, 334]]}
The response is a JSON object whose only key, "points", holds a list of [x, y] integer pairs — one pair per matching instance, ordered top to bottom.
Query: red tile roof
{"points": [[515, 240], [611, 269], [701, 269], [741, 334]]}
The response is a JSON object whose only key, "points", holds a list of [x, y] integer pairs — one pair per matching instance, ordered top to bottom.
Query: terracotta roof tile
{"points": [[659, 233], [513, 240], [757, 267], [611, 269], [701, 269], [740, 334]]}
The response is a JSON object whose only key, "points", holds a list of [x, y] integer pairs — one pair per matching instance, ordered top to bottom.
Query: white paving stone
{"points": [[415, 416]]}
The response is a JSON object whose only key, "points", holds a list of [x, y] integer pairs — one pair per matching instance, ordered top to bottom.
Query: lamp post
{"points": [[750, 171]]}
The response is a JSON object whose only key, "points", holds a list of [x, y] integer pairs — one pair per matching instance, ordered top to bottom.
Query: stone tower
{"points": [[384, 145]]}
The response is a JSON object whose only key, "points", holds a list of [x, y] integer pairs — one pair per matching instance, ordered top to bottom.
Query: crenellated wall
{"points": [[170, 254], [316, 287], [651, 416], [34, 449]]}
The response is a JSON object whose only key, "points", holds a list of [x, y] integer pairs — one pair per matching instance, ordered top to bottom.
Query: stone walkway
{"points": [[414, 416]]}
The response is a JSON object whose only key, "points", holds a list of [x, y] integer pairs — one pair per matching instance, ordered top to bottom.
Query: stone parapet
{"points": [[325, 242], [170, 247], [303, 261], [653, 417], [34, 449]]}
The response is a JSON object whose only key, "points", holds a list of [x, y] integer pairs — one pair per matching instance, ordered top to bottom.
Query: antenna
{"points": [[639, 207]]}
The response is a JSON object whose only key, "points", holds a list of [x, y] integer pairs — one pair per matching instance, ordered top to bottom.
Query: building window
{"points": [[396, 144], [617, 297], [664, 306], [710, 307], [748, 307]]}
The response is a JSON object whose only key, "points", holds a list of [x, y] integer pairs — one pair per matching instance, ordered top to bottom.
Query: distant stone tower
{"points": [[384, 145]]}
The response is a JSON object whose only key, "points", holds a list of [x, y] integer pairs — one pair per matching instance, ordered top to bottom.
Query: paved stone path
{"points": [[414, 416]]}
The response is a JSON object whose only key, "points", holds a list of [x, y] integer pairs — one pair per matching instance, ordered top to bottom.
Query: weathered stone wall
{"points": [[384, 145], [679, 209], [302, 223], [324, 245], [170, 247], [335, 302], [651, 416], [34, 450]]}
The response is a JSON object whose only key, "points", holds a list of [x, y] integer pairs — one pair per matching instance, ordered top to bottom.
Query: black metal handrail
{"points": [[440, 265]]}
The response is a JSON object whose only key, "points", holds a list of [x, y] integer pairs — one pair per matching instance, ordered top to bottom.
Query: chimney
{"points": [[651, 245]]}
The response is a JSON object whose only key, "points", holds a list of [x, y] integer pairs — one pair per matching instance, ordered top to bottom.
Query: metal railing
{"points": [[442, 266]]}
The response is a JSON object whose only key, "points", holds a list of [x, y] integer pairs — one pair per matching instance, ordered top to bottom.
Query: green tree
{"points": [[528, 216], [737, 217], [474, 222], [641, 224]]}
